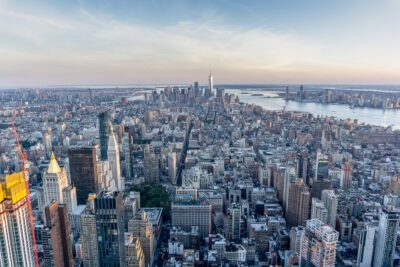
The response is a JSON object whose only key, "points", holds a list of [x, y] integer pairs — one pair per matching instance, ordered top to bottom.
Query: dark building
{"points": [[103, 120], [304, 167], [83, 169], [318, 186], [110, 228], [56, 236]]}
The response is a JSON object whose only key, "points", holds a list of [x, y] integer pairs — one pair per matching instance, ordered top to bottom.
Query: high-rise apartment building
{"points": [[83, 170], [330, 200], [318, 210], [297, 211], [110, 228], [296, 235], [56, 236], [387, 237], [17, 242], [318, 248]]}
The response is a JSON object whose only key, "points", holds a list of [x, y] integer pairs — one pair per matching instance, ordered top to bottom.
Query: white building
{"points": [[211, 84], [114, 161], [172, 167], [57, 187], [318, 210], [366, 245]]}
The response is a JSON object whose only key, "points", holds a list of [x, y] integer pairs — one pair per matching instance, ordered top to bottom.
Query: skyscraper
{"points": [[211, 84], [103, 124], [114, 160], [151, 166], [172, 167], [83, 169], [345, 178], [56, 186], [330, 200], [299, 207], [110, 228], [56, 236], [387, 236], [17, 242], [89, 246], [318, 248]]}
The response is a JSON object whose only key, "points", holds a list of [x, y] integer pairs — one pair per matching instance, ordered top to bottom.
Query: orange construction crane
{"points": [[22, 157]]}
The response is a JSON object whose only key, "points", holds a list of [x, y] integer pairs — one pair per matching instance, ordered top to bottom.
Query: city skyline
{"points": [[85, 42]]}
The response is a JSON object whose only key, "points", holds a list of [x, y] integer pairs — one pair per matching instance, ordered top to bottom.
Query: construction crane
{"points": [[22, 157]]}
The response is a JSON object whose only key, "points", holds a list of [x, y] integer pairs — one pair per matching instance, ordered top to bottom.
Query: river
{"points": [[271, 101]]}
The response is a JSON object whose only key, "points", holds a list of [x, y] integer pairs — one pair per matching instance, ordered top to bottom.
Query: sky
{"points": [[57, 42]]}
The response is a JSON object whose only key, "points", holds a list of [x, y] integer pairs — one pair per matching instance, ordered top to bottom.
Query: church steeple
{"points": [[53, 166]]}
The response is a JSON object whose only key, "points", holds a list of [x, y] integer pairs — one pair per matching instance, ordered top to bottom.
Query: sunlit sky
{"points": [[54, 42]]}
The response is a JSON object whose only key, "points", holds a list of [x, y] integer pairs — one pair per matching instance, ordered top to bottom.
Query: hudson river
{"points": [[367, 115]]}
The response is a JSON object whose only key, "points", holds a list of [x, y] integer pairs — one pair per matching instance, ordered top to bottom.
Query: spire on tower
{"points": [[53, 166]]}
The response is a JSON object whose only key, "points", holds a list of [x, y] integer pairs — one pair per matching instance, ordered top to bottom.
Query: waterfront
{"points": [[271, 101]]}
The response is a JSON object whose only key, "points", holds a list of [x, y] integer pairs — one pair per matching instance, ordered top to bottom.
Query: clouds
{"points": [[93, 47]]}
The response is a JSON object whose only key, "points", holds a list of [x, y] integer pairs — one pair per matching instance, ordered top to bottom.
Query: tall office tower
{"points": [[211, 84], [197, 92], [287, 93], [302, 94], [103, 120], [47, 142], [127, 147], [115, 163], [151, 166], [172, 167], [303, 167], [321, 168], [83, 170], [346, 177], [56, 186], [330, 200], [299, 207], [318, 210], [188, 214], [110, 215], [141, 227], [296, 234], [56, 236], [387, 236], [88, 237], [17, 243], [366, 245], [318, 246], [133, 251]]}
